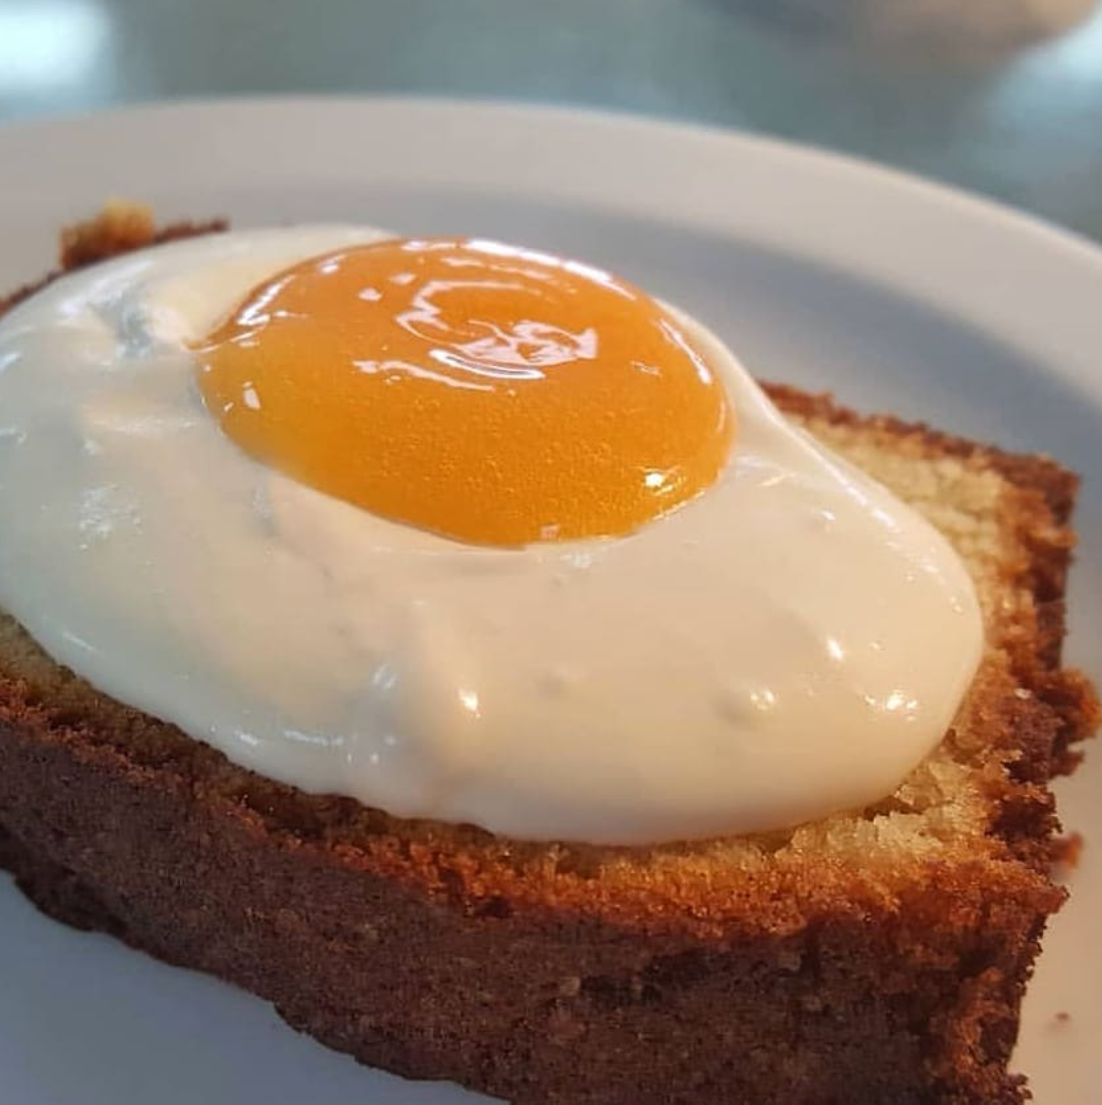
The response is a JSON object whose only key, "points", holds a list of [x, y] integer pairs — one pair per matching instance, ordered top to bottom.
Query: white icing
{"points": [[788, 644]]}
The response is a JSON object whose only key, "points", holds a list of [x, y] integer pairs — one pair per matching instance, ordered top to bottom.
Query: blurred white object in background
{"points": [[990, 22], [949, 26]]}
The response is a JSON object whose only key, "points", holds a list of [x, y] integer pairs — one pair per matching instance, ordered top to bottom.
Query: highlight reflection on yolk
{"points": [[494, 395]]}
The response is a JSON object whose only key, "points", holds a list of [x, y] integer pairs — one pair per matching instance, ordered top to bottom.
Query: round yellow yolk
{"points": [[491, 394]]}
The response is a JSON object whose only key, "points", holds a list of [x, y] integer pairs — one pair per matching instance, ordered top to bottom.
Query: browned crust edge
{"points": [[99, 239]]}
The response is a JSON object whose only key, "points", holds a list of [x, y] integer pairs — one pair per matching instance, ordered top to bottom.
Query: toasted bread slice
{"points": [[876, 956]]}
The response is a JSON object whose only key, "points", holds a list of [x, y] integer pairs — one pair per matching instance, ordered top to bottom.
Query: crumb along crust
{"points": [[876, 957]]}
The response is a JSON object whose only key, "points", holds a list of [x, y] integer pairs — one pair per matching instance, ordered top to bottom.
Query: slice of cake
{"points": [[869, 956]]}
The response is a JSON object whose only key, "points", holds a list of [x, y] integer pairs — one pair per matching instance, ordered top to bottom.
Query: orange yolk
{"points": [[494, 395]]}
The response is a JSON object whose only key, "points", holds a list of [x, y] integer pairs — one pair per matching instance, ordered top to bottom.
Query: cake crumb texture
{"points": [[876, 957]]}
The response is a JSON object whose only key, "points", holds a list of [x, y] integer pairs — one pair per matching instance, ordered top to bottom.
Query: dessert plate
{"points": [[822, 271]]}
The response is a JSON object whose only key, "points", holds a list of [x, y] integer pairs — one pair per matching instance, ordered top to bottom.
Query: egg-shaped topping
{"points": [[495, 395], [790, 646]]}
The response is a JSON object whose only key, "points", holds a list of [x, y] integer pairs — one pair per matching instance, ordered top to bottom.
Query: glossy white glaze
{"points": [[788, 644]]}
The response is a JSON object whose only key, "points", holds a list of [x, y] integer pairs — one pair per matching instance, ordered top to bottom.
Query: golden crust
{"points": [[118, 228], [945, 884]]}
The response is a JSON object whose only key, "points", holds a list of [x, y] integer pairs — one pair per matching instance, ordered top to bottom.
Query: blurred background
{"points": [[1000, 96]]}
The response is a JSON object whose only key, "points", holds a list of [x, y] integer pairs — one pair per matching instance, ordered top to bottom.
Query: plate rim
{"points": [[970, 201], [954, 231]]}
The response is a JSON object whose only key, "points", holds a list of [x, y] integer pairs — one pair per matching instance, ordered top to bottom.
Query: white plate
{"points": [[821, 271]]}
